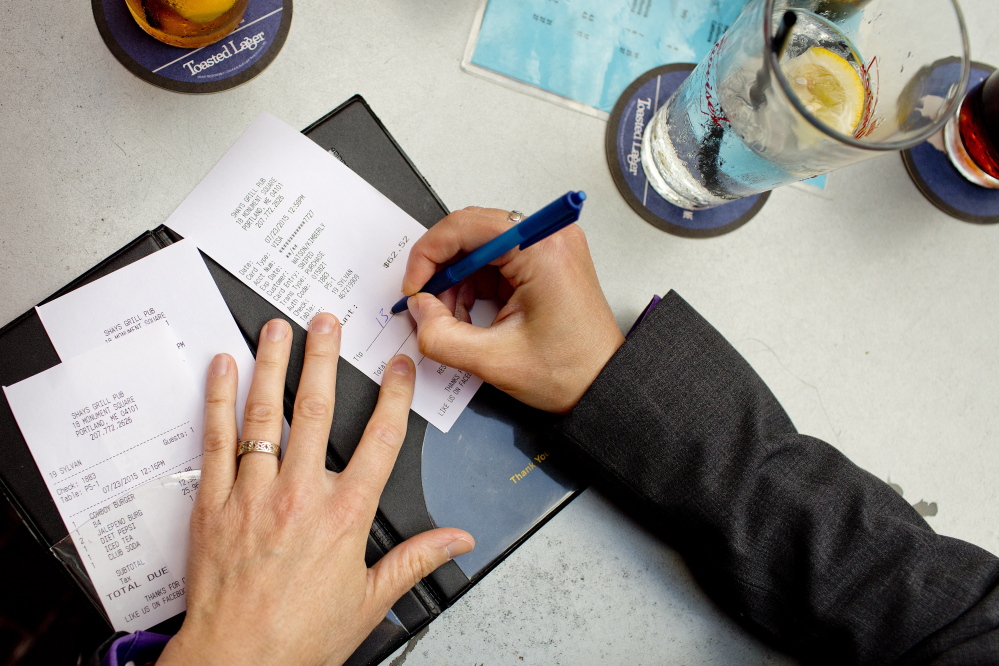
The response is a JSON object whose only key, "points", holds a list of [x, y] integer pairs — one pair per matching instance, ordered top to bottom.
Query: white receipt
{"points": [[309, 235], [171, 285], [109, 419], [101, 424], [135, 551]]}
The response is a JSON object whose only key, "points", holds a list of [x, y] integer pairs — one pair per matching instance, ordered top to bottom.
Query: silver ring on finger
{"points": [[515, 216], [258, 446]]}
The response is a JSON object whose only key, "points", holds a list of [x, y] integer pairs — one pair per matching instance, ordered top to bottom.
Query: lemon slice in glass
{"points": [[202, 11], [829, 87]]}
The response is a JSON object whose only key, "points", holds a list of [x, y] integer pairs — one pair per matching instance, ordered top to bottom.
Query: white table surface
{"points": [[871, 315]]}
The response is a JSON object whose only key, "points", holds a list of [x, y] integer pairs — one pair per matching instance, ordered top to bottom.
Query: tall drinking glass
{"points": [[849, 80]]}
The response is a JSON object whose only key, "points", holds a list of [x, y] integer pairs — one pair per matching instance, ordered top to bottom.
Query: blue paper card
{"points": [[589, 50]]}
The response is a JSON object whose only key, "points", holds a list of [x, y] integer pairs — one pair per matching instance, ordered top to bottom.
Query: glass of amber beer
{"points": [[188, 24], [972, 136]]}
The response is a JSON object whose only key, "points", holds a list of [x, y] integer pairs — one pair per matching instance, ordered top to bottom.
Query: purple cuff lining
{"points": [[645, 313], [140, 647]]}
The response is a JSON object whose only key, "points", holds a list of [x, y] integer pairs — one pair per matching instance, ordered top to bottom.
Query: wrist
{"points": [[586, 372], [208, 646]]}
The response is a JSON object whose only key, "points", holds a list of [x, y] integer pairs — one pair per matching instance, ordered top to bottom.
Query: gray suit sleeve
{"points": [[803, 547]]}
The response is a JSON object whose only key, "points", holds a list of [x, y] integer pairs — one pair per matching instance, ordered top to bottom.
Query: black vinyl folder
{"points": [[491, 475]]}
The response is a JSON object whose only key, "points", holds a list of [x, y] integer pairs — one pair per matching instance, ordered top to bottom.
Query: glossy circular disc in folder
{"points": [[494, 475]]}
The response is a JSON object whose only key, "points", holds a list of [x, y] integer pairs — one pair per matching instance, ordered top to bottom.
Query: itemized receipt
{"points": [[310, 235], [101, 424], [134, 550]]}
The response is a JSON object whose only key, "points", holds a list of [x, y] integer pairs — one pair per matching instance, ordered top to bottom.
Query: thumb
{"points": [[447, 340], [413, 560]]}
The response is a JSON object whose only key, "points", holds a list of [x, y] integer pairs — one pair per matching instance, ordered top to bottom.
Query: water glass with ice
{"points": [[797, 88]]}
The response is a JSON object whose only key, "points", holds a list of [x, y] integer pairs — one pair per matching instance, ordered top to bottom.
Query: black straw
{"points": [[783, 32], [758, 91]]}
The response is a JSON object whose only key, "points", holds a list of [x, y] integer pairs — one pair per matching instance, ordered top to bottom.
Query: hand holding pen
{"points": [[556, 215], [554, 331]]}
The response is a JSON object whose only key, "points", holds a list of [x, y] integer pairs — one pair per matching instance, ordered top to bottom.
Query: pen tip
{"points": [[577, 198], [400, 306]]}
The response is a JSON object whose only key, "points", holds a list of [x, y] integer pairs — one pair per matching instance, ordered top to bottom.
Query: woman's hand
{"points": [[555, 331], [276, 571]]}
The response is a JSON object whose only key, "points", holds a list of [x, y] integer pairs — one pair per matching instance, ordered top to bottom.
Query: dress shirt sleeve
{"points": [[782, 530]]}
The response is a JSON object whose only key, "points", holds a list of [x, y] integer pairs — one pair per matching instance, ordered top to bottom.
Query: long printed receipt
{"points": [[309, 235], [123, 410], [101, 424]]}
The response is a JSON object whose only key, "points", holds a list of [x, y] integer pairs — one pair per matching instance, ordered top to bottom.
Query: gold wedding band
{"points": [[515, 216], [257, 445]]}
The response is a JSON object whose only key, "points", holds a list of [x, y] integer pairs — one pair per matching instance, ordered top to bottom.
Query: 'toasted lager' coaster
{"points": [[236, 59], [631, 114], [941, 183]]}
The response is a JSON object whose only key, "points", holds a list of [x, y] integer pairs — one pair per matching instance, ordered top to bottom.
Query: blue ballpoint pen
{"points": [[556, 215]]}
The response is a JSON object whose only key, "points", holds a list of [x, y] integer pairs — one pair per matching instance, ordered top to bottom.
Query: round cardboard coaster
{"points": [[235, 59], [633, 110], [938, 180]]}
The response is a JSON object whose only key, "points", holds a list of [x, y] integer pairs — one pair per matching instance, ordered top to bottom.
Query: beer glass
{"points": [[188, 23], [797, 88], [971, 137]]}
